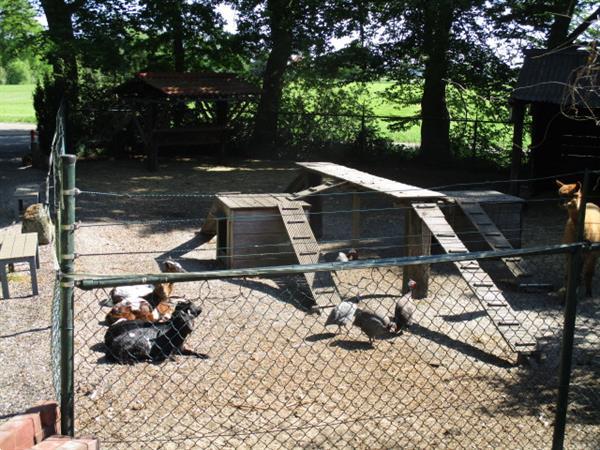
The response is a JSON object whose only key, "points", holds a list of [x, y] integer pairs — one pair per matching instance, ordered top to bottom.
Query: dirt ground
{"points": [[25, 375], [276, 377]]}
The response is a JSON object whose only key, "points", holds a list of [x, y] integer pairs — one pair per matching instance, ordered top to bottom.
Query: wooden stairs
{"points": [[493, 236], [321, 284], [491, 298]]}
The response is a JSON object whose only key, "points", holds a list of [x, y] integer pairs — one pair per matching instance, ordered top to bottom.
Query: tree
{"points": [[281, 23], [284, 28], [19, 31], [62, 53], [435, 120]]}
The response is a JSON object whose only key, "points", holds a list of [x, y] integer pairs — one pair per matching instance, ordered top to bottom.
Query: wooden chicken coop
{"points": [[250, 230]]}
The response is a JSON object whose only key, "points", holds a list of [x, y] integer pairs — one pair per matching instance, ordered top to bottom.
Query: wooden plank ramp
{"points": [[371, 182], [323, 187], [493, 236], [304, 243], [491, 298]]}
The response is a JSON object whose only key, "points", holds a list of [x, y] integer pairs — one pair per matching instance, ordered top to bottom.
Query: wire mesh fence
{"points": [[249, 360], [275, 376]]}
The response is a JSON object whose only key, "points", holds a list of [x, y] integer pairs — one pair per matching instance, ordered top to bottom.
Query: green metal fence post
{"points": [[67, 256], [566, 351]]}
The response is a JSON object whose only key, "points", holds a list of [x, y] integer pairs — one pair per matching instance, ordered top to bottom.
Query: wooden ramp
{"points": [[369, 182], [493, 236], [321, 284], [491, 298]]}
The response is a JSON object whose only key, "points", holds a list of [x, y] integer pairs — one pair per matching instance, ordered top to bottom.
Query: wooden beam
{"points": [[518, 115], [316, 206], [355, 219], [418, 243]]}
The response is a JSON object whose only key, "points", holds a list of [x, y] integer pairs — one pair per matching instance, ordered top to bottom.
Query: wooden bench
{"points": [[27, 194], [16, 248]]}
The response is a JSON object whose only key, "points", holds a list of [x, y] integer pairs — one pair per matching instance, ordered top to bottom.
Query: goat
{"points": [[570, 199], [154, 294], [132, 309], [138, 340]]}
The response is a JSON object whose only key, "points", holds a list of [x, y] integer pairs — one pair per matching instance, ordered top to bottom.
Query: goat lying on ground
{"points": [[570, 199], [138, 340]]}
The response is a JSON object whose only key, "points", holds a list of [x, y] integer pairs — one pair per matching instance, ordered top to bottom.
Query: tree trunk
{"points": [[60, 29], [177, 29], [559, 30], [63, 57], [265, 126], [435, 126]]}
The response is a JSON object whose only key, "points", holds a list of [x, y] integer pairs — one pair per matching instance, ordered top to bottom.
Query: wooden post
{"points": [[518, 116], [221, 118], [152, 148], [316, 206], [355, 219], [417, 239]]}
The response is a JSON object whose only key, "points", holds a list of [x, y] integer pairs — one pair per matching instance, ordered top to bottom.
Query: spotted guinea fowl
{"points": [[405, 308], [342, 314], [372, 324]]}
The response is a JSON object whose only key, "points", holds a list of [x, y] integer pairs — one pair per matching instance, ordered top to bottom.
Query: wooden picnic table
{"points": [[19, 247]]}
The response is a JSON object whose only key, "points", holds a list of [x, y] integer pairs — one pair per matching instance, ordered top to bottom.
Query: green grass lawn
{"points": [[16, 103], [383, 107]]}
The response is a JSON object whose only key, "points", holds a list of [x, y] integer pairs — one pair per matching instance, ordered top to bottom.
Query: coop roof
{"points": [[567, 77], [200, 85], [251, 201]]}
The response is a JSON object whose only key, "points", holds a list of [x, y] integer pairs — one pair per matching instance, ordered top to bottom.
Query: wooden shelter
{"points": [[562, 90], [174, 109], [274, 229], [249, 230]]}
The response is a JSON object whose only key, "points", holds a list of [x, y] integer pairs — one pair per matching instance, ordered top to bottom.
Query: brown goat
{"points": [[570, 199], [130, 311]]}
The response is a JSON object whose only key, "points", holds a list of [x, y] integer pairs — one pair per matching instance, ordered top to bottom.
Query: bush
{"points": [[18, 72], [46, 99]]}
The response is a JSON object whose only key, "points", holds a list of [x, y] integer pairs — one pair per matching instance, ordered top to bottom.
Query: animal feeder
{"points": [[250, 230]]}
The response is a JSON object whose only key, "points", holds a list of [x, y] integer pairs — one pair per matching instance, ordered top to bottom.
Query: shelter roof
{"points": [[564, 77], [200, 85], [252, 201]]}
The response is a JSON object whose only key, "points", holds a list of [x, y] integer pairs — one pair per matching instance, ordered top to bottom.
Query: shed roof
{"points": [[558, 77], [188, 84], [252, 201]]}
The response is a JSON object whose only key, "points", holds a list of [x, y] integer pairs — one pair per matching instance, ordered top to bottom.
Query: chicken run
{"points": [[412, 359]]}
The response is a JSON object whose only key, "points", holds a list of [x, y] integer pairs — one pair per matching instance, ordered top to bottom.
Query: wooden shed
{"points": [[561, 91], [175, 109], [250, 230]]}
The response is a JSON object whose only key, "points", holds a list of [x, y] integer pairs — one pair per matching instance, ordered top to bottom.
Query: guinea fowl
{"points": [[405, 309], [342, 314], [372, 324]]}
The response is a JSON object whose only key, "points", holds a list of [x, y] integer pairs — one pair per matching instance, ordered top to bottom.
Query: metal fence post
{"points": [[67, 256], [566, 352]]}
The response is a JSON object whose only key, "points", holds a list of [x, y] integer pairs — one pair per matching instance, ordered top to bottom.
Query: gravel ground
{"points": [[25, 377], [275, 377]]}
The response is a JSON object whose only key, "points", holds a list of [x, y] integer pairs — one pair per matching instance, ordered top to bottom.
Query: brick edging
{"points": [[38, 428]]}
